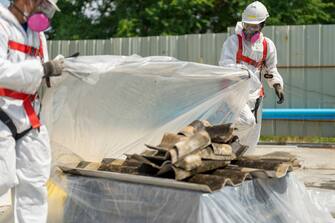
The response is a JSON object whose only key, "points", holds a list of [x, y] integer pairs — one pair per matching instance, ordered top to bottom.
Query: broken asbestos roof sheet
{"points": [[202, 156]]}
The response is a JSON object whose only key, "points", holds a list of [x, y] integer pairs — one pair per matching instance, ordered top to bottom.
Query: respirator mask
{"points": [[40, 20], [251, 32]]}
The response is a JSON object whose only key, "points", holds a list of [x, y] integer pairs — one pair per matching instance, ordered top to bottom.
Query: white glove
{"points": [[54, 67]]}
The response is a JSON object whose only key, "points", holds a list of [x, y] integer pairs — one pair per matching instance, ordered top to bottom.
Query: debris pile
{"points": [[202, 154]]}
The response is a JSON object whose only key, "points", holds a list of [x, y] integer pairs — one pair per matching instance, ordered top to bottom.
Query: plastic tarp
{"points": [[121, 103], [106, 106], [283, 200]]}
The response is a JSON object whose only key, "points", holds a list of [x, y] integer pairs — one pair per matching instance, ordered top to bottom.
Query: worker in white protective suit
{"points": [[251, 50], [24, 142]]}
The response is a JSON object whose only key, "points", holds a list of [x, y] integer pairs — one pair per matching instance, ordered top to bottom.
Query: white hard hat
{"points": [[54, 3], [255, 13]]}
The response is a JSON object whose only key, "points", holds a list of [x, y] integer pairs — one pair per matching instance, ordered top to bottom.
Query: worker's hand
{"points": [[54, 67], [279, 92]]}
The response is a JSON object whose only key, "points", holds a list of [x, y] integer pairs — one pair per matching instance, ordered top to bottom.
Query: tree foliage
{"points": [[100, 19]]}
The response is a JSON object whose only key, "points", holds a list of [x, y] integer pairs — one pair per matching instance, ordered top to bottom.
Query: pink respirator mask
{"points": [[41, 19], [251, 33]]}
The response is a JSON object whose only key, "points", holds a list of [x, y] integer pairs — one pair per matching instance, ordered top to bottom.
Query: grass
{"points": [[297, 139]]}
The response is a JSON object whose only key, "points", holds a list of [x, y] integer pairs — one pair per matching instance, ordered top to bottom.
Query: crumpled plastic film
{"points": [[134, 100], [324, 198], [283, 200]]}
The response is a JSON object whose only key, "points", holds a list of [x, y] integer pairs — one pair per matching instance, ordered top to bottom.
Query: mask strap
{"points": [[20, 11]]}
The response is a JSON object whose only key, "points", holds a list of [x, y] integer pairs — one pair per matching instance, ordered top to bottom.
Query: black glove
{"points": [[53, 68], [279, 92]]}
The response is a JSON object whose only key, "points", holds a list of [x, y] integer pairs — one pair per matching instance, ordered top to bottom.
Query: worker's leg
{"points": [[245, 121], [251, 139], [7, 160], [33, 170]]}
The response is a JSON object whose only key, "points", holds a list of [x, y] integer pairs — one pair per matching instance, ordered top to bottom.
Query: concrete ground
{"points": [[318, 173]]}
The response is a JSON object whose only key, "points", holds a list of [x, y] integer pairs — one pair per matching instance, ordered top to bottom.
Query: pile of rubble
{"points": [[202, 154]]}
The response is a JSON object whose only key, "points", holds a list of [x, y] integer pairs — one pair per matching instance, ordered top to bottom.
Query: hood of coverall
{"points": [[9, 17]]}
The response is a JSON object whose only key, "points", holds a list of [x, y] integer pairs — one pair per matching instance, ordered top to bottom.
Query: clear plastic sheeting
{"points": [[120, 103], [323, 198], [283, 200]]}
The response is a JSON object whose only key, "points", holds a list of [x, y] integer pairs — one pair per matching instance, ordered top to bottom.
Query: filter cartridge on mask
{"points": [[38, 22], [252, 37], [255, 37]]}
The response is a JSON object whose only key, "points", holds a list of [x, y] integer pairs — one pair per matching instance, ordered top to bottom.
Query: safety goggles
{"points": [[251, 28]]}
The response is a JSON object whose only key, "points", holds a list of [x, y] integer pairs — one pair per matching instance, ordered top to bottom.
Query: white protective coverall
{"points": [[248, 129], [25, 163]]}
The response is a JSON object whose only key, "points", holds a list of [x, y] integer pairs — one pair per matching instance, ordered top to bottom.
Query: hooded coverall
{"points": [[260, 58], [25, 161]]}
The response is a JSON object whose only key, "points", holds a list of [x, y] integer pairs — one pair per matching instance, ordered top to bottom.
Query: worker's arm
{"points": [[228, 52], [271, 64], [51, 67], [24, 76]]}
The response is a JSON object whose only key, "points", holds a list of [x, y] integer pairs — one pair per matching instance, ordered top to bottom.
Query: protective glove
{"points": [[54, 67], [279, 92]]}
